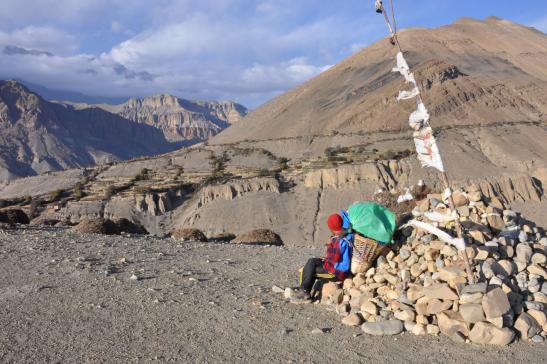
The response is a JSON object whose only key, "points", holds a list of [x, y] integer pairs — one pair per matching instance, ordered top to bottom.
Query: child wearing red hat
{"points": [[335, 266]]}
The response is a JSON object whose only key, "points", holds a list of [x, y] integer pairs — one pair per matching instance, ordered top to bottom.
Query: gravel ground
{"points": [[71, 299]]}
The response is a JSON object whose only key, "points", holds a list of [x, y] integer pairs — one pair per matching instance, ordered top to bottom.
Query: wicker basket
{"points": [[365, 253]]}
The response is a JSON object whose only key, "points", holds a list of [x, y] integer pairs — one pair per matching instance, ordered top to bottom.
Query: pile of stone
{"points": [[421, 285]]}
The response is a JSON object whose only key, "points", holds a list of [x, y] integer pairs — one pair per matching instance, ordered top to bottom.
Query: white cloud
{"points": [[118, 28], [40, 38], [234, 49], [278, 77]]}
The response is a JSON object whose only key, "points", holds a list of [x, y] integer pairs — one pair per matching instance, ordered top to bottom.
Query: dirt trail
{"points": [[69, 298]]}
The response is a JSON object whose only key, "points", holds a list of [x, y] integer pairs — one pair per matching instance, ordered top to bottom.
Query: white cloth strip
{"points": [[405, 95], [419, 118], [427, 149], [439, 217], [458, 243]]}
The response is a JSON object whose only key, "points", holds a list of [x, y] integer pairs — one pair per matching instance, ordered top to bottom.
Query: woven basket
{"points": [[365, 253]]}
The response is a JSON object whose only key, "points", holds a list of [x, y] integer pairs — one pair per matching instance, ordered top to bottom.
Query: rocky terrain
{"points": [[180, 120], [38, 136], [337, 139], [291, 179], [420, 284], [66, 297]]}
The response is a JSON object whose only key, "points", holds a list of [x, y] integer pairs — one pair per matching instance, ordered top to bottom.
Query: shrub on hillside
{"points": [[14, 216], [96, 226], [189, 235], [259, 237]]}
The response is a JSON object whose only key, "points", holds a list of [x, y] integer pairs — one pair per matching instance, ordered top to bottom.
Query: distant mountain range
{"points": [[180, 120], [38, 136]]}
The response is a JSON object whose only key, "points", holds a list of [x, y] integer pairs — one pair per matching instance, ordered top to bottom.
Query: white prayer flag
{"points": [[405, 95], [420, 117], [426, 145], [427, 149]]}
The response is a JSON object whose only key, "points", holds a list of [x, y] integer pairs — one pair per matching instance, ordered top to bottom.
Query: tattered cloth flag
{"points": [[426, 145]]}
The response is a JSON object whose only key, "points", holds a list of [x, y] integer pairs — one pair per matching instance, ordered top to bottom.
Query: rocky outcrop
{"points": [[182, 120], [387, 174], [236, 189], [509, 189], [424, 284]]}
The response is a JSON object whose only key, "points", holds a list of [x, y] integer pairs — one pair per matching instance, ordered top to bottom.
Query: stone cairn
{"points": [[421, 286]]}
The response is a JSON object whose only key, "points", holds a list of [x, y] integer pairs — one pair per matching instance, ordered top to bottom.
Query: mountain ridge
{"points": [[501, 75], [181, 120], [38, 136]]}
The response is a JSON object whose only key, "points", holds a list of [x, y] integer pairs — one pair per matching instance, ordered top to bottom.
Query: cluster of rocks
{"points": [[254, 237], [421, 285]]}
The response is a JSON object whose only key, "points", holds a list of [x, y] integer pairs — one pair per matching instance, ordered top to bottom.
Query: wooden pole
{"points": [[454, 212], [459, 230]]}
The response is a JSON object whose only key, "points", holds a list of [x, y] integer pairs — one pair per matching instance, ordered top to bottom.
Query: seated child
{"points": [[334, 267]]}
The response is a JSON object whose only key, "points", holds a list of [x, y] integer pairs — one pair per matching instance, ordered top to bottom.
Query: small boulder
{"points": [[259, 237], [328, 290], [440, 291], [495, 303], [435, 306], [370, 308], [472, 312], [352, 320], [527, 326], [391, 327], [454, 329], [419, 330], [485, 333]]}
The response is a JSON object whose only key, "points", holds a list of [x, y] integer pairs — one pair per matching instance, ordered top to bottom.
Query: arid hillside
{"points": [[471, 73], [335, 140]]}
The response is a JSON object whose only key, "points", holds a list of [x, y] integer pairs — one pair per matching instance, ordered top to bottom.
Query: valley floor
{"points": [[70, 298]]}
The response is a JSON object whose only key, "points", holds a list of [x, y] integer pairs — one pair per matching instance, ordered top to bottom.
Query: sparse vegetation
{"points": [[283, 163], [263, 172], [142, 190], [78, 192], [109, 192], [55, 195], [35, 206]]}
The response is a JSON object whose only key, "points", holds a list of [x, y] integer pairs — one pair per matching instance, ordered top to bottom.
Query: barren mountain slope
{"points": [[471, 72], [180, 120], [37, 136], [291, 184]]}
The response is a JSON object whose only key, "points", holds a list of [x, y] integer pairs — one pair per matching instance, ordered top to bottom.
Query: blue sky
{"points": [[243, 50]]}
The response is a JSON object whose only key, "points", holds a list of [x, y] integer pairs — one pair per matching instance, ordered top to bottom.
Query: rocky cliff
{"points": [[181, 120], [38, 136]]}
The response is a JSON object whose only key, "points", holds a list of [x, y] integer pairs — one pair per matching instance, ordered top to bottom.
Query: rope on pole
{"points": [[419, 120]]}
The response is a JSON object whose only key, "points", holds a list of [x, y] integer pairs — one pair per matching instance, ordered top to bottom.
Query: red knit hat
{"points": [[335, 223]]}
